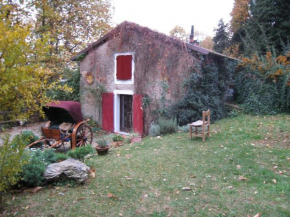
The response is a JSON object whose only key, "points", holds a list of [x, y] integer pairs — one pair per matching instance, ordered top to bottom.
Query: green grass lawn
{"points": [[146, 179]]}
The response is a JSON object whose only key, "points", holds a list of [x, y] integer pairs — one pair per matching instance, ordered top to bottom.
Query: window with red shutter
{"points": [[124, 67]]}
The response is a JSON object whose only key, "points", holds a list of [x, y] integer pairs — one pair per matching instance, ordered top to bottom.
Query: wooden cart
{"points": [[65, 124]]}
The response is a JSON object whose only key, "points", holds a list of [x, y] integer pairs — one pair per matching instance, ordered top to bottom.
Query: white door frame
{"points": [[117, 94]]}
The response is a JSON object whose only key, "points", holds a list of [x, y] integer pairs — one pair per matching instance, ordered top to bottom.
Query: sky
{"points": [[164, 15]]}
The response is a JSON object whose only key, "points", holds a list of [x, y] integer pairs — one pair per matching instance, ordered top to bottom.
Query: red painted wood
{"points": [[120, 67], [124, 67], [127, 67], [108, 112], [137, 114]]}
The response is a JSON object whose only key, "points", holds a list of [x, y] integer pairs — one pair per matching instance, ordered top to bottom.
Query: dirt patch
{"points": [[35, 128]]}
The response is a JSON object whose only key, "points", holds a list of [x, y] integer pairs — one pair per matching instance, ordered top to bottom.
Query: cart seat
{"points": [[56, 127]]}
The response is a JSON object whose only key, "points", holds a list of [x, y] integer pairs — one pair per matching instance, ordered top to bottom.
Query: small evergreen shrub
{"points": [[167, 125], [154, 130], [27, 137], [117, 137], [102, 143], [81, 152], [49, 156], [60, 157], [32, 173]]}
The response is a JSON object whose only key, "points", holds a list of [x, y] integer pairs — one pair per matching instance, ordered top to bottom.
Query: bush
{"points": [[263, 84], [205, 87], [167, 126], [184, 128], [154, 130], [117, 137], [27, 138], [102, 143], [80, 153], [49, 156], [60, 157], [13, 158], [32, 174]]}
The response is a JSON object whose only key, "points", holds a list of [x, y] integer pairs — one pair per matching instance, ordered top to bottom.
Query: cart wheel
{"points": [[84, 135]]}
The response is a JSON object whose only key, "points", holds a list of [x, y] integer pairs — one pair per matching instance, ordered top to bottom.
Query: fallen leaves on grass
{"points": [[238, 167], [93, 173], [192, 176], [127, 178], [242, 178], [275, 181], [36, 189], [110, 195]]}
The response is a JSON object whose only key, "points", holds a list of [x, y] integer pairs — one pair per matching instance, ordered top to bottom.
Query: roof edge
{"points": [[106, 37], [88, 48]]}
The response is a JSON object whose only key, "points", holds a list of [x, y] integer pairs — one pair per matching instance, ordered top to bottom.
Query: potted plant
{"points": [[117, 140], [102, 147]]}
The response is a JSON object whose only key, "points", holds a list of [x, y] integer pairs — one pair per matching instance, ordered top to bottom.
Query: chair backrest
{"points": [[206, 117]]}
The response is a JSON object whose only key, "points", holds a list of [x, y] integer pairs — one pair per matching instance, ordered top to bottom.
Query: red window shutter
{"points": [[120, 67], [124, 67], [108, 112], [137, 114]]}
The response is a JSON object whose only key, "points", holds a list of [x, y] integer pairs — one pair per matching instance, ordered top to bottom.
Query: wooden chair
{"points": [[204, 125]]}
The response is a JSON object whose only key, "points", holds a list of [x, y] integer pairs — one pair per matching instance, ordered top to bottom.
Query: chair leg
{"points": [[190, 132], [208, 132]]}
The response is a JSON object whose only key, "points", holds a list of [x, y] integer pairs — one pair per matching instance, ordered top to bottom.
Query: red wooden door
{"points": [[108, 112], [137, 114]]}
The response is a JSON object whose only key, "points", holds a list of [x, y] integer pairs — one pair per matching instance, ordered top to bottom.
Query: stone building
{"points": [[132, 72]]}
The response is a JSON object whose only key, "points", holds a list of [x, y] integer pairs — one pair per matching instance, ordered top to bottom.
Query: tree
{"points": [[240, 14], [71, 24], [259, 25], [269, 25], [179, 33], [37, 38], [221, 38], [207, 43], [23, 80]]}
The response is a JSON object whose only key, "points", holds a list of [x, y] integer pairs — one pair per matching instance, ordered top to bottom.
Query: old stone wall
{"points": [[161, 67]]}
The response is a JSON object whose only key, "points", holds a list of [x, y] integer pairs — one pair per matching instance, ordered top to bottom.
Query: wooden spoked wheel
{"points": [[83, 135]]}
